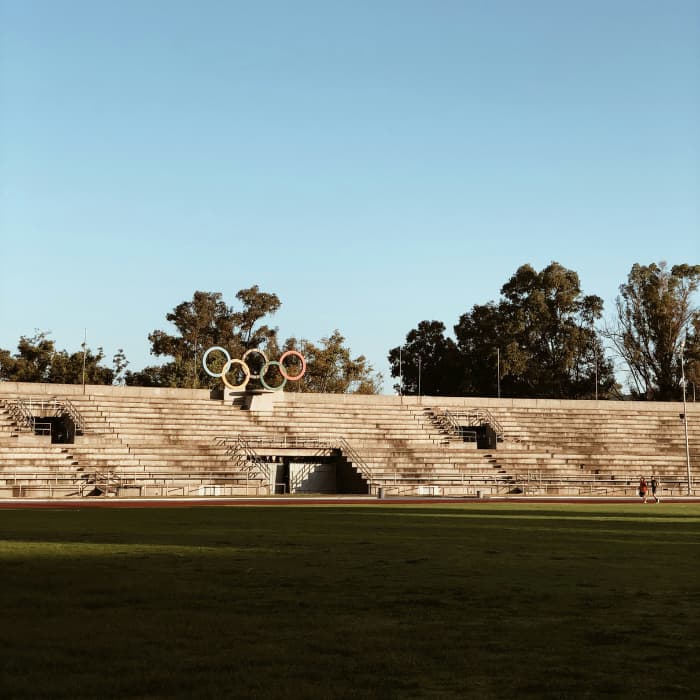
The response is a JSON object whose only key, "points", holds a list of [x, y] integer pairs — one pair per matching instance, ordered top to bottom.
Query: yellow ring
{"points": [[227, 367]]}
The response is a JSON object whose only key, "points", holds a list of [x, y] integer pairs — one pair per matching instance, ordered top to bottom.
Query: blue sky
{"points": [[374, 163]]}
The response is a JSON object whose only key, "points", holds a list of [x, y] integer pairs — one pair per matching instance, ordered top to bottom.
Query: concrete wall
{"points": [[31, 389], [271, 398], [477, 402], [320, 479]]}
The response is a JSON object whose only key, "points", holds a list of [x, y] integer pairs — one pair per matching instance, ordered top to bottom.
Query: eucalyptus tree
{"points": [[256, 306], [655, 316], [204, 321], [207, 321], [201, 323], [481, 338], [539, 339], [551, 347], [38, 360], [31, 362], [426, 362], [120, 363], [331, 369]]}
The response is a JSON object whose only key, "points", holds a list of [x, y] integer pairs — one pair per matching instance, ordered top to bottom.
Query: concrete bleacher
{"points": [[153, 442], [608, 444]]}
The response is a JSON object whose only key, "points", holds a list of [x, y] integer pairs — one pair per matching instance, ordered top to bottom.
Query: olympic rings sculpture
{"points": [[245, 368]]}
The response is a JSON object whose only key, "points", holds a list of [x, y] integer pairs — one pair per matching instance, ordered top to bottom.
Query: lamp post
{"points": [[84, 351], [595, 352], [194, 367], [498, 371], [419, 373], [400, 374], [685, 414]]}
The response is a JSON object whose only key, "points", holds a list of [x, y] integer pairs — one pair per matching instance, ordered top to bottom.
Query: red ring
{"points": [[283, 372]]}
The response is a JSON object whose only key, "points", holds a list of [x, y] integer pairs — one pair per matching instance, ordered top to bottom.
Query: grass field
{"points": [[478, 601]]}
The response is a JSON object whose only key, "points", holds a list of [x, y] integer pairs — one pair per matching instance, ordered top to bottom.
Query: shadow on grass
{"points": [[241, 527], [343, 603]]}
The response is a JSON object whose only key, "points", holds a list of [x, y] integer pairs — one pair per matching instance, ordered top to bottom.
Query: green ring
{"points": [[264, 369]]}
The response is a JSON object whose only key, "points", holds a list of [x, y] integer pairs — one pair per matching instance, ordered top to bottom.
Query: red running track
{"points": [[98, 502]]}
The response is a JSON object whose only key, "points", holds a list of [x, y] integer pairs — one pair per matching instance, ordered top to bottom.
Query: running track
{"points": [[101, 502]]}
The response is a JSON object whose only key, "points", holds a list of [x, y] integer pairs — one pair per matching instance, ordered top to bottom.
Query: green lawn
{"points": [[475, 601]]}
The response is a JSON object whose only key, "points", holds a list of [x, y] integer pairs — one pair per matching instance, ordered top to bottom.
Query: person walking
{"points": [[654, 483], [643, 489]]}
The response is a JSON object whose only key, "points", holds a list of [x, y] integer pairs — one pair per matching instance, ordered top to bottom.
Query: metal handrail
{"points": [[22, 412], [74, 415], [478, 416], [449, 422], [493, 422], [287, 441], [298, 442], [243, 454], [256, 466], [363, 467], [53, 479], [98, 479], [298, 479]]}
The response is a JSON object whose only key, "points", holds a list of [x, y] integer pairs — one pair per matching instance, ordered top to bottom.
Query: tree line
{"points": [[204, 321], [542, 338], [545, 338]]}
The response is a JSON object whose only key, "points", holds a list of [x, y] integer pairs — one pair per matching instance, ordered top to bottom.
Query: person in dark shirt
{"points": [[654, 483]]}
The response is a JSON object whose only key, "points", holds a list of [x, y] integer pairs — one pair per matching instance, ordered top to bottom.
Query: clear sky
{"points": [[375, 163]]}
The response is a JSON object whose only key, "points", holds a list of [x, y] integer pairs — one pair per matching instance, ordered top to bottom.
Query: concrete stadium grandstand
{"points": [[109, 441]]}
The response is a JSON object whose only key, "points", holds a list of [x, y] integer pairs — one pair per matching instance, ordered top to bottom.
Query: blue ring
{"points": [[204, 360]]}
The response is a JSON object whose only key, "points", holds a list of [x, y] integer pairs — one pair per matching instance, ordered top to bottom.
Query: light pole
{"points": [[84, 351], [595, 353], [595, 356], [194, 368], [498, 371], [419, 373], [400, 374], [685, 414]]}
